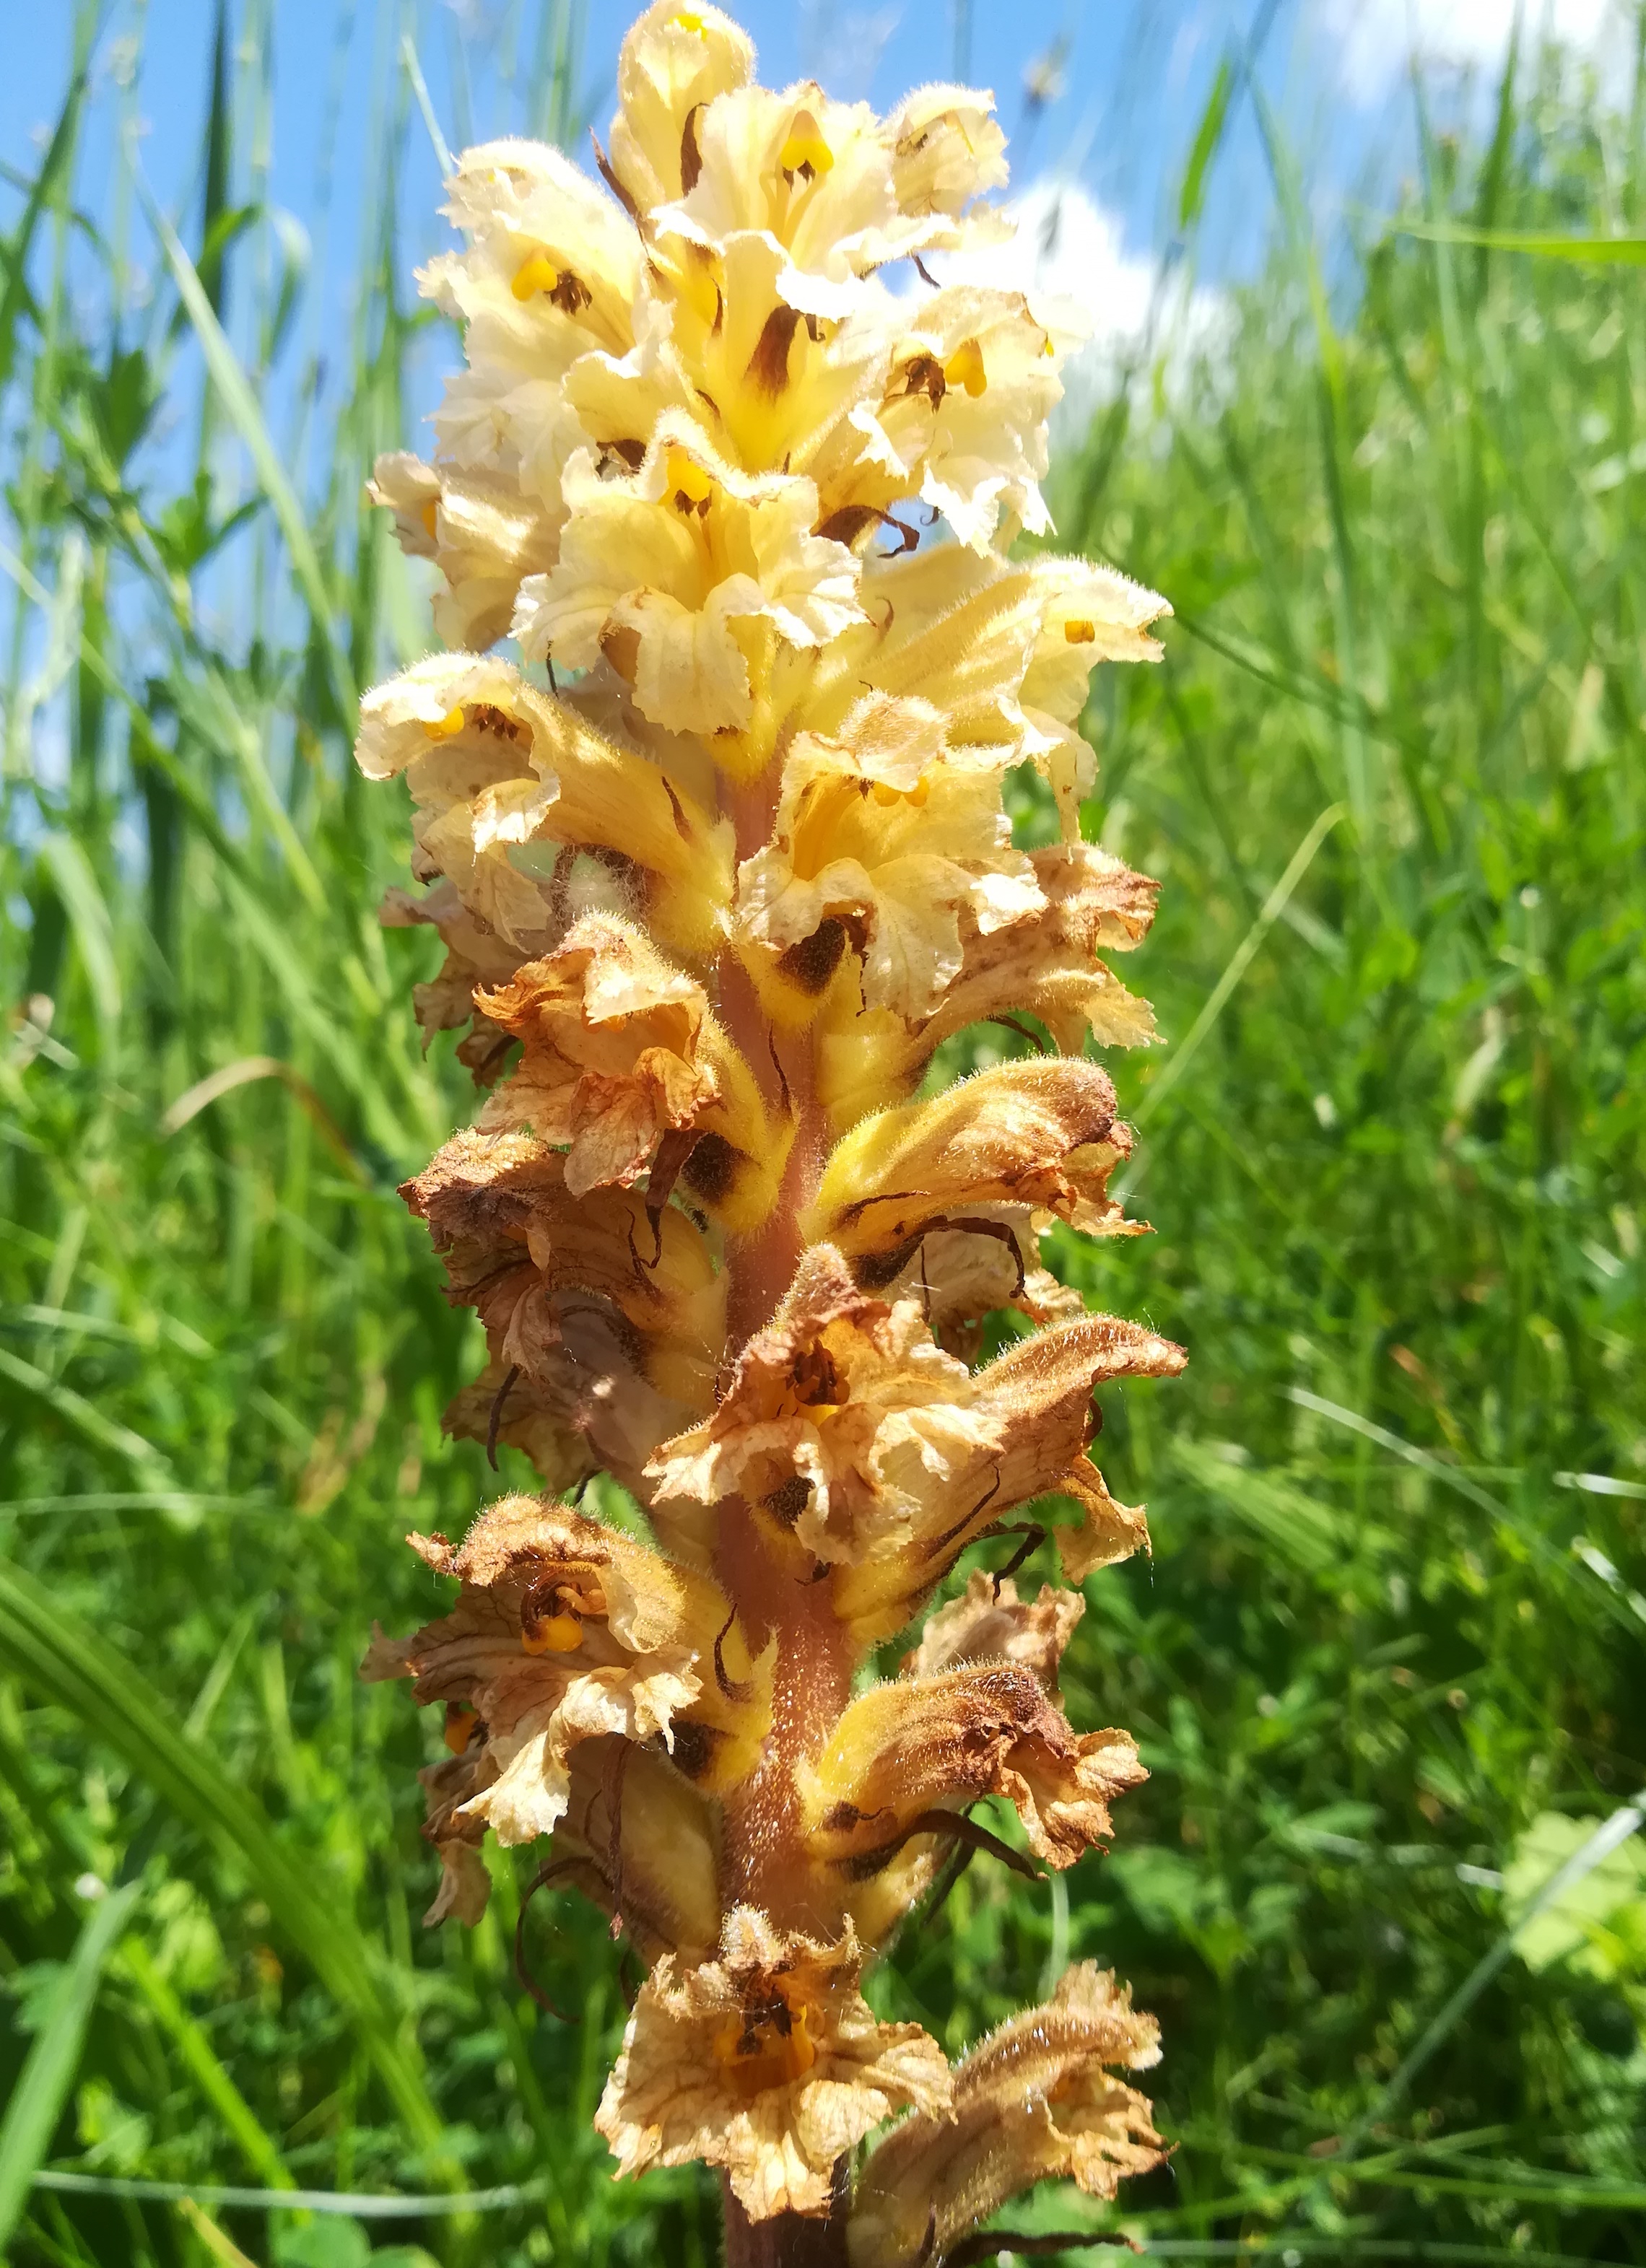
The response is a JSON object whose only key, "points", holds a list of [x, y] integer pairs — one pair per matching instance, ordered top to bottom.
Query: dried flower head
{"points": [[714, 883]]}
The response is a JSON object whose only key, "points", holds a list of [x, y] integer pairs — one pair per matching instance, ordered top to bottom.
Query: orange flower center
{"points": [[552, 1616], [768, 2045]]}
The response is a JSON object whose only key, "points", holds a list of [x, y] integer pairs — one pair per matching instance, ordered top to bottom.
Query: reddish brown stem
{"points": [[764, 1862], [788, 2240]]}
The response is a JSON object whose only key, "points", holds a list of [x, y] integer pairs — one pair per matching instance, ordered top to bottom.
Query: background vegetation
{"points": [[1388, 1651]]}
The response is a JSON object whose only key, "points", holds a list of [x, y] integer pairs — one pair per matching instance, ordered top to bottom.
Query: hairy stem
{"points": [[763, 1859], [788, 2240]]}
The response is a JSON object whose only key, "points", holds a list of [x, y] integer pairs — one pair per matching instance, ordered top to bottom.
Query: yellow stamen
{"points": [[687, 22], [806, 152], [534, 275], [964, 367], [689, 484], [427, 515], [1079, 633], [442, 728], [918, 795], [555, 1634], [460, 1725]]}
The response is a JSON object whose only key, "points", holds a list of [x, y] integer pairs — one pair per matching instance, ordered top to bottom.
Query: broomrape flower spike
{"points": [[712, 887]]}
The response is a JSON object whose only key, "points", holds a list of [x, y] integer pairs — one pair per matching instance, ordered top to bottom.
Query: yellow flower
{"points": [[673, 62], [946, 148], [961, 420], [664, 570], [510, 787], [886, 837], [1044, 964], [1013, 1150], [990, 1623], [907, 1748], [766, 2061], [1033, 2100]]}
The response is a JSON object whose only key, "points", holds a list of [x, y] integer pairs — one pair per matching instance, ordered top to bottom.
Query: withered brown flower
{"points": [[766, 2061], [1033, 2100]]}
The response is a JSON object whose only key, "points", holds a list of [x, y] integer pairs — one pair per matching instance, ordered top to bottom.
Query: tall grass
{"points": [[1392, 778]]}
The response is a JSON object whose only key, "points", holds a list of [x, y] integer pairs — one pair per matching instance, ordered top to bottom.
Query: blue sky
{"points": [[1134, 81], [319, 85]]}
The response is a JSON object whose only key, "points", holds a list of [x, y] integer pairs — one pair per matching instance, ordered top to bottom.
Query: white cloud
{"points": [[1374, 39], [1069, 247]]}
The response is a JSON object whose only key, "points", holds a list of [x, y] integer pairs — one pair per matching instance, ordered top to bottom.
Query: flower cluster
{"points": [[714, 883]]}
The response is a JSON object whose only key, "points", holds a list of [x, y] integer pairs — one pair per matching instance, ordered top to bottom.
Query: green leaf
{"points": [[1598, 1923], [42, 2085]]}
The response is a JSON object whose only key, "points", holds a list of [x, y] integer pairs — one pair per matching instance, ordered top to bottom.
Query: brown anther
{"points": [[691, 155], [603, 163], [768, 371], [924, 375], [810, 965], [788, 1501]]}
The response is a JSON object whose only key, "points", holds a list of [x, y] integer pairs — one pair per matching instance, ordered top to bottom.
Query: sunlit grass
{"points": [[1397, 1191]]}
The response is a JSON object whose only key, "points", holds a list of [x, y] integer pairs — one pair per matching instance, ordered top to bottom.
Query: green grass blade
{"points": [[1207, 139], [1543, 244], [15, 297], [238, 398], [1274, 906], [93, 930], [86, 1418], [1616, 1600], [64, 1660], [1623, 1823], [205, 2067], [42, 2085], [359, 2205]]}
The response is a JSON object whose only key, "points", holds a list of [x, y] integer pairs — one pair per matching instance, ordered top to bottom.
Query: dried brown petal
{"points": [[620, 1051], [1043, 1134], [1034, 1405], [843, 1420], [990, 1623], [564, 1630], [905, 1748], [1032, 2102]]}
